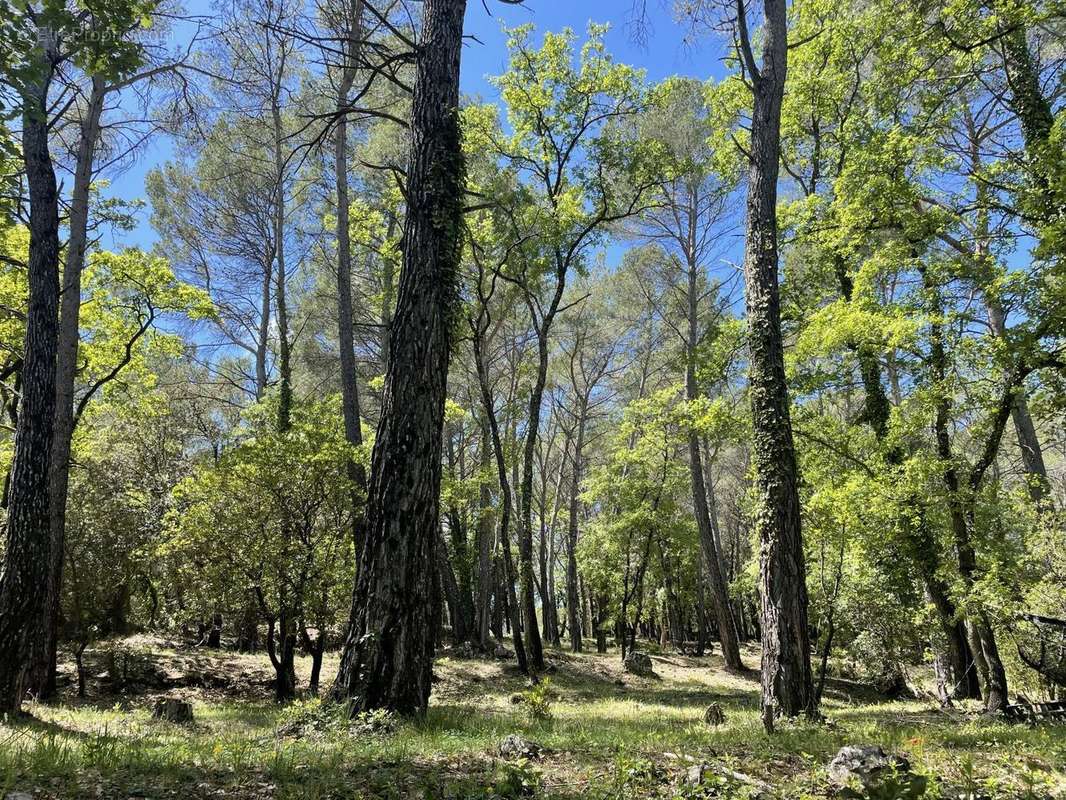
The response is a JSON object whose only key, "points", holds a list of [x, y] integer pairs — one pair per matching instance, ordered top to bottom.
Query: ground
{"points": [[605, 734]]}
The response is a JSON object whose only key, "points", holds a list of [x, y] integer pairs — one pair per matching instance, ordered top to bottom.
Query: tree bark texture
{"points": [[27, 556], [388, 656], [786, 667]]}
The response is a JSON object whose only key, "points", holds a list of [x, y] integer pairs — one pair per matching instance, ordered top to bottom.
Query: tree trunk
{"points": [[284, 353], [353, 431], [525, 527], [486, 535], [27, 558], [508, 597], [573, 603], [461, 628], [727, 629], [981, 636], [281, 647], [315, 648], [388, 655], [786, 664], [41, 671], [955, 679]]}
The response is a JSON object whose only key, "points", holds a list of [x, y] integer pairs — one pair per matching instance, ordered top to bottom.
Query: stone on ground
{"points": [[514, 746], [869, 765]]}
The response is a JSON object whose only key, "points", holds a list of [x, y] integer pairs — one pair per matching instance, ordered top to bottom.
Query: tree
{"points": [[577, 178], [689, 222], [273, 513], [28, 549], [387, 657], [786, 664]]}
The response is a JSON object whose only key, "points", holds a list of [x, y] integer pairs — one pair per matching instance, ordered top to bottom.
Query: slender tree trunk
{"points": [[262, 345], [284, 352], [353, 431], [525, 529], [486, 535], [27, 558], [508, 597], [573, 604], [727, 628], [461, 630], [982, 639], [388, 656], [786, 663], [41, 671], [955, 679]]}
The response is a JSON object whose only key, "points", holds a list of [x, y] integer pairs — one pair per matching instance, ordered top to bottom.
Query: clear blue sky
{"points": [[664, 52]]}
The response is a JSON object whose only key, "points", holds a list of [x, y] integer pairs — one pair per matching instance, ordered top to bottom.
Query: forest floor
{"points": [[610, 735]]}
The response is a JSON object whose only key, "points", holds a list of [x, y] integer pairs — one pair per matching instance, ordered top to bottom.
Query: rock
{"points": [[465, 650], [502, 652], [638, 663], [172, 710], [714, 715], [514, 746], [868, 764], [698, 773], [694, 774], [18, 796]]}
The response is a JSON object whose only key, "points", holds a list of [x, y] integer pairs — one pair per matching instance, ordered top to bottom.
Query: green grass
{"points": [[604, 741]]}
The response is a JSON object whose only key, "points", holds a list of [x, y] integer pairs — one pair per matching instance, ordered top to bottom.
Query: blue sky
{"points": [[662, 53]]}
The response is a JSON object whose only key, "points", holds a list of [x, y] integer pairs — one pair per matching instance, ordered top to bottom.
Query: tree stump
{"points": [[172, 710]]}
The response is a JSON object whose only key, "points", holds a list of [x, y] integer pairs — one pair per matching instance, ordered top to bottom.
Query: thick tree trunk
{"points": [[27, 558], [281, 648], [315, 648], [388, 656], [786, 664]]}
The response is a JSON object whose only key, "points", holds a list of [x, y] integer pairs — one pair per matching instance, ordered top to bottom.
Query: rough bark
{"points": [[27, 557], [388, 655], [786, 665], [41, 670]]}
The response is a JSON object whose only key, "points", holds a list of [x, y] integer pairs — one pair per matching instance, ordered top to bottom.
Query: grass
{"points": [[603, 740]]}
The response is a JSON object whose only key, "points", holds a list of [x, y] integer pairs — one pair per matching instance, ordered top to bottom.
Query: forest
{"points": [[518, 398]]}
